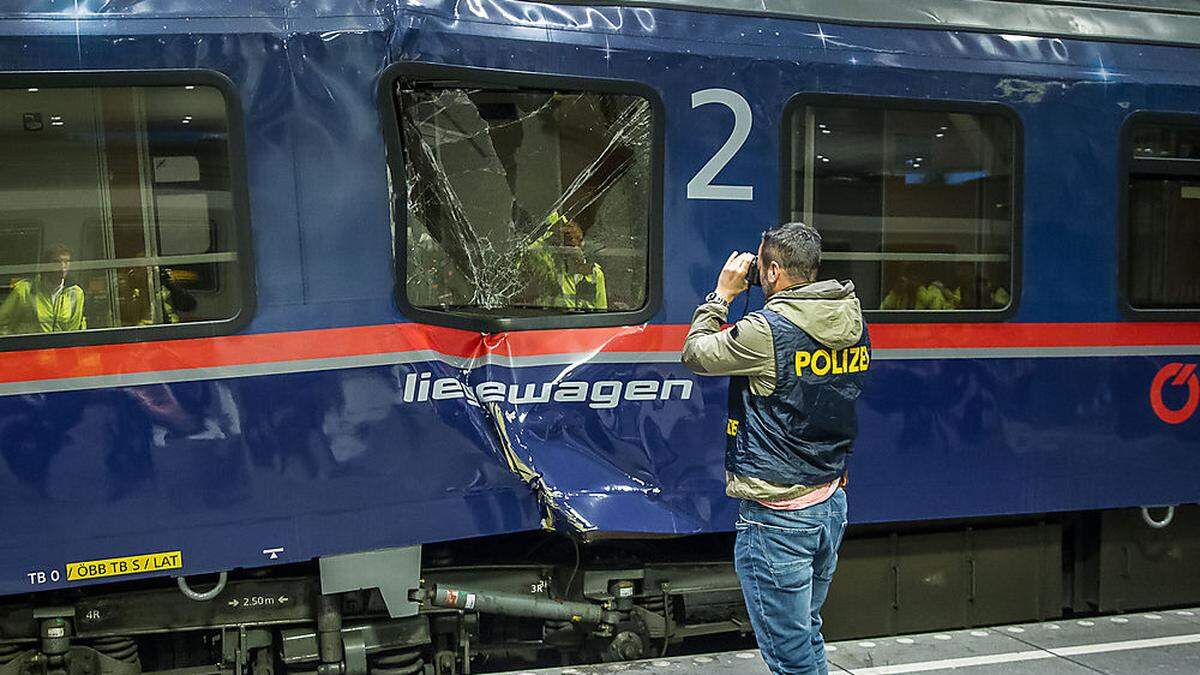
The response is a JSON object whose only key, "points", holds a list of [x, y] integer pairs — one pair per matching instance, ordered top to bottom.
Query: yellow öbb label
{"points": [[823, 362], [115, 567]]}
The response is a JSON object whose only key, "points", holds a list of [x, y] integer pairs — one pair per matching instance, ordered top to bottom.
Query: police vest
{"points": [[800, 433]]}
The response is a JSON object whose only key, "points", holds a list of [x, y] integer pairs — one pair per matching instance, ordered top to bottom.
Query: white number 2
{"points": [[700, 186]]}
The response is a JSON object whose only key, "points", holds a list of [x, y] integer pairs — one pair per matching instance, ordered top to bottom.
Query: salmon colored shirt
{"points": [[820, 494]]}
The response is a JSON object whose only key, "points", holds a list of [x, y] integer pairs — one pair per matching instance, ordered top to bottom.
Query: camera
{"points": [[752, 273]]}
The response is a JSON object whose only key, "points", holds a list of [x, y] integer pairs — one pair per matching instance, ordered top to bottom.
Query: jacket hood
{"points": [[827, 310]]}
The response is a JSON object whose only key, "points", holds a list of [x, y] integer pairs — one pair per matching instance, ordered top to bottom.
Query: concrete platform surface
{"points": [[1166, 643]]}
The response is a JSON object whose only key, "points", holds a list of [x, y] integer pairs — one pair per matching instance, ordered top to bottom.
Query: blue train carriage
{"points": [[343, 337]]}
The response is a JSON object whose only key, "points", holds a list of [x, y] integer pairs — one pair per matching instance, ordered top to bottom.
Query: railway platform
{"points": [[1161, 642]]}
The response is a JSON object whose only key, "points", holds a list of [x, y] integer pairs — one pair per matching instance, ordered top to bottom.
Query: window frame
{"points": [[516, 81], [830, 100], [1127, 164], [239, 194]]}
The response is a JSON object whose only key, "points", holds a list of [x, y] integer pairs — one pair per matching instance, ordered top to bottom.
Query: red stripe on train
{"points": [[1032, 335], [239, 350]]}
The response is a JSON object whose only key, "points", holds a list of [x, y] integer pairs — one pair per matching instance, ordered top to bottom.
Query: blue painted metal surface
{"points": [[336, 461]]}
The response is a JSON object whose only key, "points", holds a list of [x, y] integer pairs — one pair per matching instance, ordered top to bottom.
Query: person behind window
{"points": [[563, 270], [935, 295], [993, 295], [170, 296], [901, 296], [1000, 298], [172, 299], [45, 304]]}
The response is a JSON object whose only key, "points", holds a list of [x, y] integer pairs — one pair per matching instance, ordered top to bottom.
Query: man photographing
{"points": [[797, 368]]}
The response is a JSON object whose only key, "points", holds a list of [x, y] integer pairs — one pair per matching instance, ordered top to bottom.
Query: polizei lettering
{"points": [[824, 362], [421, 386]]}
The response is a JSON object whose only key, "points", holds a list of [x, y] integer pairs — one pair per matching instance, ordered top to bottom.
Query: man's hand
{"points": [[732, 280]]}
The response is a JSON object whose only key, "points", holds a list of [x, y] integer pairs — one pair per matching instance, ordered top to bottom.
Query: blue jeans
{"points": [[785, 561]]}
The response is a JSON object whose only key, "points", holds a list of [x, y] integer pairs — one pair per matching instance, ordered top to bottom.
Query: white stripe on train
{"points": [[500, 360]]}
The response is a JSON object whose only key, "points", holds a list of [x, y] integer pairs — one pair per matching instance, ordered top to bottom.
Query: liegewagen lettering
{"points": [[420, 387]]}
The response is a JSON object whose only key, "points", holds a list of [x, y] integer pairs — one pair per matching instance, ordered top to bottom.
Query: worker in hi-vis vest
{"points": [[567, 277], [45, 304]]}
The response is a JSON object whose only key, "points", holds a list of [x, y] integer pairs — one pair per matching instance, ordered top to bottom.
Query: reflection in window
{"points": [[1159, 141], [526, 203], [915, 206], [115, 208], [1164, 217]]}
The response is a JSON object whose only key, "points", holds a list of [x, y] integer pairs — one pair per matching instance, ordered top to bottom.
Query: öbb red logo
{"points": [[1179, 374]]}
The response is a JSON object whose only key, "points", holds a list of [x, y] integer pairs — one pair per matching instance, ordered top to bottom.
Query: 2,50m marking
{"points": [[249, 601]]}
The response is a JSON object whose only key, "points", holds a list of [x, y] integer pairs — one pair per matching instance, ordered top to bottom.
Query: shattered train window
{"points": [[526, 203]]}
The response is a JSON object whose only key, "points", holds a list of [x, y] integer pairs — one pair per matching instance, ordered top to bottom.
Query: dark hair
{"points": [[796, 247], [52, 253]]}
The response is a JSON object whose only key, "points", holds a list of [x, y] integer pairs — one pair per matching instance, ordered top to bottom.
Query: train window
{"points": [[916, 206], [526, 207], [116, 208], [1163, 217]]}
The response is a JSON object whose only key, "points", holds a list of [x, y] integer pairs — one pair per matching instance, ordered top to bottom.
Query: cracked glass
{"points": [[525, 203]]}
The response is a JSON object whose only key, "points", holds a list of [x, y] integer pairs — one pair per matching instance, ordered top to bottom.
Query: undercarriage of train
{"points": [[547, 599]]}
